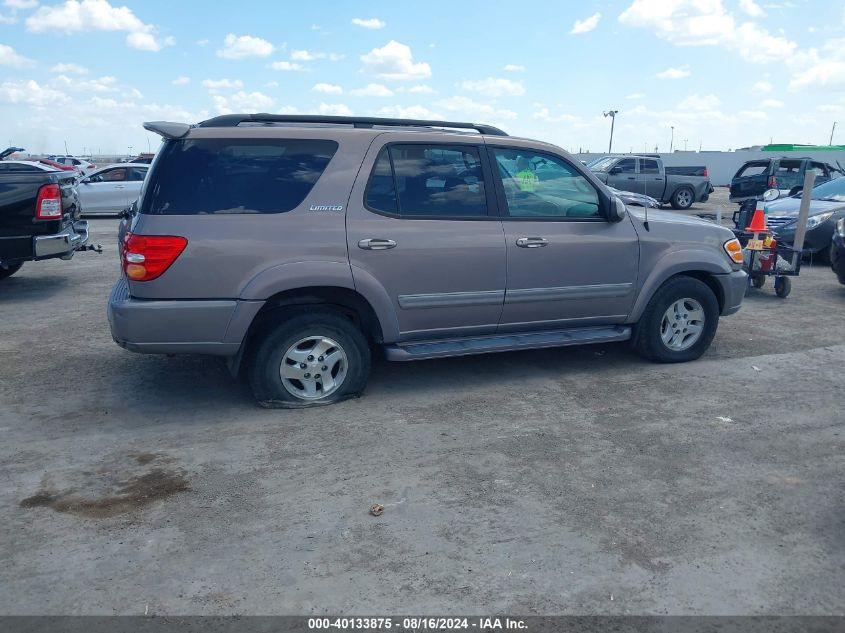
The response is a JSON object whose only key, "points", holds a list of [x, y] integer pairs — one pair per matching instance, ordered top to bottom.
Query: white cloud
{"points": [[21, 5], [752, 8], [74, 16], [8, 19], [372, 23], [706, 23], [586, 25], [203, 42], [241, 47], [309, 56], [8, 57], [395, 61], [286, 66], [69, 68], [513, 68], [820, 68], [674, 73], [181, 81], [75, 84], [222, 84], [271, 84], [762, 86], [494, 87], [329, 89], [421, 89], [372, 90], [30, 92], [635, 95], [242, 102], [699, 103], [771, 103], [471, 108], [291, 109], [334, 109], [408, 112], [544, 115], [753, 115]]}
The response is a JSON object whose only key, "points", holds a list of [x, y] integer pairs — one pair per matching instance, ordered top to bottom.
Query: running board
{"points": [[507, 342]]}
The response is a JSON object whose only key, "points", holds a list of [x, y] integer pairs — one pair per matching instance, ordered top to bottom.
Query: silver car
{"points": [[111, 190], [294, 245]]}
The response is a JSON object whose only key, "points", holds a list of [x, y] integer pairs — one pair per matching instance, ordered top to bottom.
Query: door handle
{"points": [[631, 177], [120, 186], [531, 242], [376, 244]]}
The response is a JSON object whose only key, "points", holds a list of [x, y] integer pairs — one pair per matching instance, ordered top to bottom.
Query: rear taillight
{"points": [[706, 175], [773, 182], [48, 206], [146, 257]]}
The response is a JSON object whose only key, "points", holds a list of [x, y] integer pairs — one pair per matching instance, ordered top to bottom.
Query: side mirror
{"points": [[615, 170], [86, 181], [771, 194], [617, 210]]}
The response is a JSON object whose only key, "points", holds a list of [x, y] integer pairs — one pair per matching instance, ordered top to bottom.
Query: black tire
{"points": [[681, 202], [8, 271], [758, 281], [783, 286], [647, 332], [273, 343]]}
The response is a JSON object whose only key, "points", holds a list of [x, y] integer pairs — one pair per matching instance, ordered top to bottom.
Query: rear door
{"points": [[623, 175], [751, 179], [650, 180], [422, 226], [567, 265]]}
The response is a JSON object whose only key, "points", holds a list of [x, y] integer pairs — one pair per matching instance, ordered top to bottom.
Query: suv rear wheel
{"points": [[679, 322], [310, 359]]}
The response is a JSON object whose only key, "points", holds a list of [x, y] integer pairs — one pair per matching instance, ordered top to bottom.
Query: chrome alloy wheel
{"points": [[684, 198], [682, 324], [314, 367]]}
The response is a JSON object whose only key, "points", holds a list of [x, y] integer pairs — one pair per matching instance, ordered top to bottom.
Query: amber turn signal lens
{"points": [[734, 250]]}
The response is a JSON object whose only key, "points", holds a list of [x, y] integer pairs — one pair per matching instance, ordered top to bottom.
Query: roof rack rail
{"points": [[233, 120]]}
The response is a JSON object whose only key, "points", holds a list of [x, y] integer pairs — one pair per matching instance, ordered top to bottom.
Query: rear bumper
{"points": [[61, 244], [733, 290], [215, 327]]}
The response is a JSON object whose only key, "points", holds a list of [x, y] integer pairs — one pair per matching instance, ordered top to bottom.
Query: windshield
{"points": [[602, 164], [833, 190]]}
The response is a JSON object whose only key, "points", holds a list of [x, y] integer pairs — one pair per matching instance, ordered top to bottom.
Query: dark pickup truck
{"points": [[647, 175], [39, 215]]}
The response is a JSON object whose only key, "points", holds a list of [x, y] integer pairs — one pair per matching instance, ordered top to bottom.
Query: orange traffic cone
{"points": [[758, 221]]}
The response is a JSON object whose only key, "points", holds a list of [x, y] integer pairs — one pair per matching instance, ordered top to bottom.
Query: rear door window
{"points": [[648, 166], [752, 169], [232, 176], [421, 180]]}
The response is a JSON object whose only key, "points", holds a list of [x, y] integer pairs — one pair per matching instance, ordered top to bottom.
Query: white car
{"points": [[24, 166], [82, 166], [111, 189]]}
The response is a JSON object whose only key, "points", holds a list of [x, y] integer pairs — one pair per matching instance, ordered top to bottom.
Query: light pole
{"points": [[612, 114], [831, 133], [672, 142]]}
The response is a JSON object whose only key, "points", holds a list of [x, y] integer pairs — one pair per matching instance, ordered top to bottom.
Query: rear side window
{"points": [[648, 166], [752, 169], [217, 176], [428, 181]]}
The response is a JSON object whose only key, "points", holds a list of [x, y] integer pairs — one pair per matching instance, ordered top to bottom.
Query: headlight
{"points": [[814, 221], [840, 227], [734, 250]]}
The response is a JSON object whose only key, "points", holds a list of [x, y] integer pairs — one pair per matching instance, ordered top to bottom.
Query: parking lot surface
{"points": [[556, 481]]}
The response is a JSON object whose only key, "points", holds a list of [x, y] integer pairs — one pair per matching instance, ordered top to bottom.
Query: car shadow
{"points": [[21, 287]]}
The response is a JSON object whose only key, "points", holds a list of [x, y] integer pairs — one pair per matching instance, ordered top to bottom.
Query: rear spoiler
{"points": [[168, 129]]}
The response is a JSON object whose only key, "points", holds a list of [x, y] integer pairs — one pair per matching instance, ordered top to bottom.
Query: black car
{"points": [[756, 177], [837, 251]]}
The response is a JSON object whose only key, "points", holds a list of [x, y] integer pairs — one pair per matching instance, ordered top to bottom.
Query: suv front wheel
{"points": [[679, 322], [310, 359]]}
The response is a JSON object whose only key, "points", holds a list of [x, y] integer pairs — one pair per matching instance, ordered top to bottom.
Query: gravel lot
{"points": [[559, 481]]}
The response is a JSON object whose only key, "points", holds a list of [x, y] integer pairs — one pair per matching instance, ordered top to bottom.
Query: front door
{"points": [[623, 175], [105, 192], [422, 225], [567, 265]]}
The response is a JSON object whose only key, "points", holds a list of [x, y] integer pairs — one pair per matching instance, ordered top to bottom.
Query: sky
{"points": [[724, 73]]}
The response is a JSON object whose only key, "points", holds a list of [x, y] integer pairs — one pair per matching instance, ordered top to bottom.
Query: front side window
{"points": [[625, 166], [235, 176], [420, 180], [544, 186]]}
